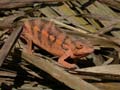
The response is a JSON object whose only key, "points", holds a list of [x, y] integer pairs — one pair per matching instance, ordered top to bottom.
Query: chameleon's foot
{"points": [[27, 51], [67, 65], [71, 66]]}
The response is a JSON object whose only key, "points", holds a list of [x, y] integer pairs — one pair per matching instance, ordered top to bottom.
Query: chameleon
{"points": [[46, 35]]}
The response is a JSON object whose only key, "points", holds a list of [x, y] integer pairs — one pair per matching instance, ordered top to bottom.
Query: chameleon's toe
{"points": [[27, 51], [67, 65], [72, 66]]}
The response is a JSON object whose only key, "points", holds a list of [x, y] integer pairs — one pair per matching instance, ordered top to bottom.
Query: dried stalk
{"points": [[8, 4], [8, 21], [82, 30], [9, 44], [107, 72], [58, 73]]}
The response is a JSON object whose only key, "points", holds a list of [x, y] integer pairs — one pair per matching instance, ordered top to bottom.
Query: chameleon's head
{"points": [[82, 49]]}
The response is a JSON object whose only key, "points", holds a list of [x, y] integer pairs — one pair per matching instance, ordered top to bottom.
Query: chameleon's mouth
{"points": [[81, 55]]}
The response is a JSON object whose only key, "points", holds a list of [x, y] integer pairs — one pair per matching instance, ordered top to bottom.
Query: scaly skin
{"points": [[47, 36]]}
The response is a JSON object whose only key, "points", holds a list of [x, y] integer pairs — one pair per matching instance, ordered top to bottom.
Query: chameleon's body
{"points": [[50, 38]]}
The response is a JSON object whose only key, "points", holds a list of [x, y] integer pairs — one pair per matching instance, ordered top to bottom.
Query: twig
{"points": [[112, 3], [8, 4], [100, 17], [7, 22], [107, 28], [82, 30], [9, 44], [108, 72], [58, 73], [7, 74]]}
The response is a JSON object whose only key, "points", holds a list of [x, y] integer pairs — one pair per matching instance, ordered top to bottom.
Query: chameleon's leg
{"points": [[28, 47], [65, 64]]}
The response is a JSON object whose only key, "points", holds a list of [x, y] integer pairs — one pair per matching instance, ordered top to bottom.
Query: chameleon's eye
{"points": [[51, 38], [65, 46], [79, 46]]}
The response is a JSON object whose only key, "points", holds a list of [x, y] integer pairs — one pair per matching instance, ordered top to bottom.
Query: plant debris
{"points": [[95, 22]]}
